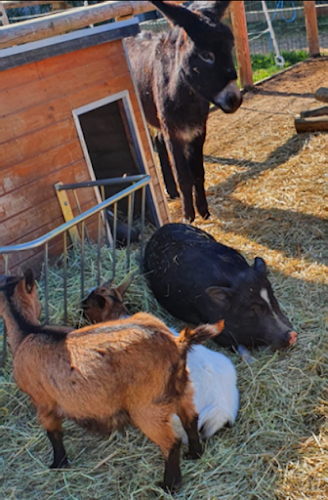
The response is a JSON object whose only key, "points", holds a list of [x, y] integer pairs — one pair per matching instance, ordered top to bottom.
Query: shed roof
{"points": [[42, 49]]}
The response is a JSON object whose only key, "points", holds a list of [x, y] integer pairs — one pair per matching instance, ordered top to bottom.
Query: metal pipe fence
{"points": [[137, 183]]}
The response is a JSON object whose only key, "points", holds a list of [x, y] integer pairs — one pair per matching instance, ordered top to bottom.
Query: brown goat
{"points": [[105, 302], [104, 376]]}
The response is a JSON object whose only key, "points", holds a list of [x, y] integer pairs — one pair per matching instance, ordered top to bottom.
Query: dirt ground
{"points": [[266, 185], [267, 189]]}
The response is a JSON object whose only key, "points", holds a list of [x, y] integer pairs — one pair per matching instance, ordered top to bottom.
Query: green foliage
{"points": [[264, 65]]}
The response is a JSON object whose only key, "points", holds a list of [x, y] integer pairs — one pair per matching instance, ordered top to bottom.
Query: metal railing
{"points": [[138, 183]]}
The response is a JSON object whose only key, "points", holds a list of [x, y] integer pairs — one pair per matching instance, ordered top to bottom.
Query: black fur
{"points": [[178, 74], [117, 422]]}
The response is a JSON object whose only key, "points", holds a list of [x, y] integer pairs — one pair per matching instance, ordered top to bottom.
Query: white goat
{"points": [[213, 375], [216, 395]]}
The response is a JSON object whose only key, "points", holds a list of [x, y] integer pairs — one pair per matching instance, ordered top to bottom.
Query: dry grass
{"points": [[267, 193]]}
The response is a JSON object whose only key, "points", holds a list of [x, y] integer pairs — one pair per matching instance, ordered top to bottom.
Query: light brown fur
{"points": [[105, 302], [132, 368], [88, 376]]}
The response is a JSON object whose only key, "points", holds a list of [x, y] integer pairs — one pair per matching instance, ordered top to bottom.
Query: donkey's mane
{"points": [[178, 74]]}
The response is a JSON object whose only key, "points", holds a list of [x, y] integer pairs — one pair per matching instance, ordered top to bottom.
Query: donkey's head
{"points": [[205, 52]]}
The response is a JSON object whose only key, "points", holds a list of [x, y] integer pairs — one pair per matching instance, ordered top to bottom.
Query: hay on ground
{"points": [[267, 191]]}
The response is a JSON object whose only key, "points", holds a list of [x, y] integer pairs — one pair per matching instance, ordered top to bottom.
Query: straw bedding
{"points": [[267, 193]]}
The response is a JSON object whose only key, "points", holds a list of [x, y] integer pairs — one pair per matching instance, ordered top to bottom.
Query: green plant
{"points": [[264, 65]]}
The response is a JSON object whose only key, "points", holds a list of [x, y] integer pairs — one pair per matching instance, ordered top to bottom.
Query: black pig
{"points": [[122, 231], [200, 280]]}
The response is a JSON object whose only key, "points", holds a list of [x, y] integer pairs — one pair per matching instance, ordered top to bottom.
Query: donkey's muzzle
{"points": [[230, 98]]}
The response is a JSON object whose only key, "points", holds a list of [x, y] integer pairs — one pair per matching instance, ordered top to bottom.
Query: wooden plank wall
{"points": [[39, 144]]}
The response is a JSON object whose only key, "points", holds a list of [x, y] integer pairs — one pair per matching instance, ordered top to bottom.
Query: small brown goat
{"points": [[105, 302], [104, 376]]}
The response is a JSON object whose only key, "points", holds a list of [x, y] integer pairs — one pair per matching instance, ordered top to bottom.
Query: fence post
{"points": [[311, 25], [239, 27]]}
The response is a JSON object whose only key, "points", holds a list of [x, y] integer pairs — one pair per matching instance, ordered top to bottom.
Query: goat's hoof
{"points": [[194, 452], [193, 455], [61, 464], [172, 487]]}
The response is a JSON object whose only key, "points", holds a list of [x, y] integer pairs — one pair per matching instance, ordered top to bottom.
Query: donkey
{"points": [[178, 74]]}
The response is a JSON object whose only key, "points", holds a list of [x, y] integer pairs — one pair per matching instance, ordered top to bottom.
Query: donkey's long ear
{"points": [[220, 7], [214, 10], [180, 16]]}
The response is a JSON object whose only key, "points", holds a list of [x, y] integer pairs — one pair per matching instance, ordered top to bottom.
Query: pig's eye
{"points": [[256, 309]]}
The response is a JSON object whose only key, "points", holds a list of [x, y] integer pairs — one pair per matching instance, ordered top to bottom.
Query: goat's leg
{"points": [[196, 162], [168, 176], [189, 419], [155, 423], [53, 426], [60, 457], [172, 473]]}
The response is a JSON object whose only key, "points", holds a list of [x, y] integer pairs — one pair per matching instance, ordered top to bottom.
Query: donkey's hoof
{"points": [[173, 195], [206, 215], [189, 217]]}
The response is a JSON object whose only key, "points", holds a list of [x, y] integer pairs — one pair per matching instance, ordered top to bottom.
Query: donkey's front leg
{"points": [[197, 168], [184, 175], [168, 176]]}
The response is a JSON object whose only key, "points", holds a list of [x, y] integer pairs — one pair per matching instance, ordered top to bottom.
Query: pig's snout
{"points": [[292, 338]]}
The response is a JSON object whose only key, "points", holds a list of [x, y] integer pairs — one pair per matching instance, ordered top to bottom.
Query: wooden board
{"points": [[69, 82], [315, 112], [311, 124], [39, 141], [24, 152], [35, 194]]}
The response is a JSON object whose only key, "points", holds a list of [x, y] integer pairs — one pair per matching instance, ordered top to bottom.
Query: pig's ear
{"points": [[260, 266], [221, 295]]}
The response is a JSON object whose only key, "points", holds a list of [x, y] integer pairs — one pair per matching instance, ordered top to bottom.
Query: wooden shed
{"points": [[69, 112]]}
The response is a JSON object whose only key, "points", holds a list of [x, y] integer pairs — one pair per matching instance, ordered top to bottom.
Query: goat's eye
{"points": [[207, 56]]}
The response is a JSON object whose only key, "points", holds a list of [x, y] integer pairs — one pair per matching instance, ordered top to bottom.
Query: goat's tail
{"points": [[199, 335]]}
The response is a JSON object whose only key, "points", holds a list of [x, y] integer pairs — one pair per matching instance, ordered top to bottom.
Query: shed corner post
{"points": [[311, 25], [239, 28]]}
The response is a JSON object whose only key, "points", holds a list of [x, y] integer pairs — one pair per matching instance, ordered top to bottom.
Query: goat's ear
{"points": [[29, 280], [107, 283], [122, 288], [93, 300], [100, 300]]}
